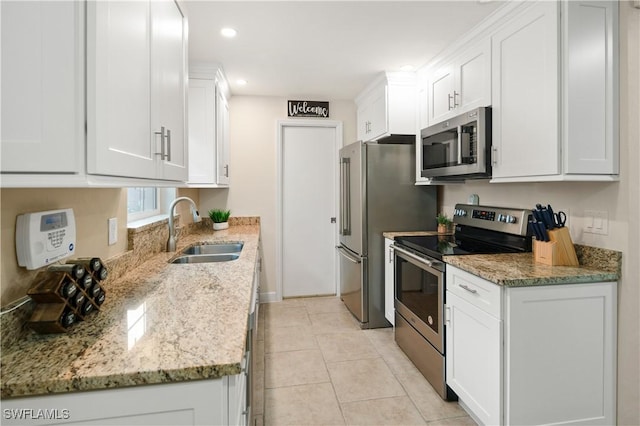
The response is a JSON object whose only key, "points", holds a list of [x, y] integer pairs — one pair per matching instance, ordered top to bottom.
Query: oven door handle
{"points": [[422, 260]]}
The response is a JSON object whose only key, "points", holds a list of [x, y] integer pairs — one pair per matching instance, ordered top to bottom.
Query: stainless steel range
{"points": [[420, 285]]}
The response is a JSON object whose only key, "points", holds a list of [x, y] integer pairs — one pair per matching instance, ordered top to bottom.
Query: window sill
{"points": [[148, 222]]}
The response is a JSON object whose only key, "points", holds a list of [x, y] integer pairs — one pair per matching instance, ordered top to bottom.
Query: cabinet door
{"points": [[473, 78], [168, 82], [42, 86], [590, 87], [441, 88], [118, 90], [525, 94], [422, 101], [378, 113], [372, 114], [202, 131], [222, 138], [389, 293], [474, 358]]}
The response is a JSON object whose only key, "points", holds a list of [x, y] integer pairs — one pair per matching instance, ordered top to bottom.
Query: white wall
{"points": [[253, 175]]}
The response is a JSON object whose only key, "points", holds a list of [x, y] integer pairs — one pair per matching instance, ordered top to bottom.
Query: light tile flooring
{"points": [[317, 367]]}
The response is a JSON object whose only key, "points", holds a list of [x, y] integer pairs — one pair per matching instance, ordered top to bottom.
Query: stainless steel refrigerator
{"points": [[377, 194]]}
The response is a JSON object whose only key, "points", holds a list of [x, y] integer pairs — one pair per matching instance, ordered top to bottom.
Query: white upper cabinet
{"points": [[590, 81], [461, 84], [169, 85], [42, 87], [136, 89], [555, 93], [387, 107], [525, 110], [208, 127], [202, 131], [222, 137]]}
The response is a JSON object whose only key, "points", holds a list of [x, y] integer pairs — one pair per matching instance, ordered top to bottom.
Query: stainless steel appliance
{"points": [[459, 147], [377, 194], [420, 284]]}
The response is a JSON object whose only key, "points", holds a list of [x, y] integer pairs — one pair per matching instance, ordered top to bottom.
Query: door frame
{"points": [[282, 125]]}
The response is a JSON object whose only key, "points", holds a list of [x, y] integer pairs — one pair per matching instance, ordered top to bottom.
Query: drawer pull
{"points": [[470, 290]]}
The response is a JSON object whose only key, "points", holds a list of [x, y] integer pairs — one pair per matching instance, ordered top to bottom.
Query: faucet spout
{"points": [[171, 243]]}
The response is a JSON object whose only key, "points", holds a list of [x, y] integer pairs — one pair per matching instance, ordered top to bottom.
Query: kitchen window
{"points": [[142, 203], [147, 203]]}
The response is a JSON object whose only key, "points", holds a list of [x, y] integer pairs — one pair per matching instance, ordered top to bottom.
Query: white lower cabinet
{"points": [[389, 291], [532, 355], [202, 402]]}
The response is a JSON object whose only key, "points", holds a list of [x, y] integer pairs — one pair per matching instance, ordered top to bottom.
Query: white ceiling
{"points": [[323, 50]]}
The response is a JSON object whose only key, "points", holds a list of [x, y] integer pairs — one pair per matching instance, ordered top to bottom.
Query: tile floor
{"points": [[317, 367]]}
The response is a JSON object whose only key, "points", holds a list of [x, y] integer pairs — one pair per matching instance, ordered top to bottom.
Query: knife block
{"points": [[559, 251]]}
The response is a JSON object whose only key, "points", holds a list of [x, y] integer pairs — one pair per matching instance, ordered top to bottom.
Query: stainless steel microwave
{"points": [[458, 148]]}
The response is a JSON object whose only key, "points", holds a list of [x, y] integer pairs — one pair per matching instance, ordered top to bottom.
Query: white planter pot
{"points": [[219, 226]]}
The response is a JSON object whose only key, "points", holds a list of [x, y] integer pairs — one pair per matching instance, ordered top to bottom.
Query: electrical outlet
{"points": [[596, 222], [113, 231]]}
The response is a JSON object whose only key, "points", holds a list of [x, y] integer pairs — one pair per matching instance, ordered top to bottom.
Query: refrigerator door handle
{"points": [[345, 210], [348, 256]]}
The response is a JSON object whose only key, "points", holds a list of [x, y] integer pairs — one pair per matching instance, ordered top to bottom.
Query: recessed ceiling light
{"points": [[228, 32], [406, 68], [241, 82]]}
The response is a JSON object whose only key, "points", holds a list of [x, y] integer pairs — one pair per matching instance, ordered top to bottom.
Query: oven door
{"points": [[419, 293]]}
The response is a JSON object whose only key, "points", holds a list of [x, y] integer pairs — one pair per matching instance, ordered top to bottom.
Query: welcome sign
{"points": [[308, 109]]}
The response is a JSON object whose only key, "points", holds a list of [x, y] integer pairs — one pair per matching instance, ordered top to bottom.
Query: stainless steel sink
{"points": [[215, 248], [205, 258]]}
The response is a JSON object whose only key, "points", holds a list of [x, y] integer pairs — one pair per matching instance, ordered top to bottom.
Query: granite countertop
{"points": [[519, 269], [160, 323]]}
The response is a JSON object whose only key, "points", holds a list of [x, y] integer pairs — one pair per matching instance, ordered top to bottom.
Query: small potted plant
{"points": [[220, 218], [443, 223]]}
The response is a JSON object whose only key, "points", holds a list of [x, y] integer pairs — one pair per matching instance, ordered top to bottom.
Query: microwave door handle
{"points": [[459, 145]]}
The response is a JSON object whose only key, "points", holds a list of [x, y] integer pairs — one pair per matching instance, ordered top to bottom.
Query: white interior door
{"points": [[308, 191]]}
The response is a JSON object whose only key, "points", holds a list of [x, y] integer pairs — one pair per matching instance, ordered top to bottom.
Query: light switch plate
{"points": [[596, 222], [113, 231]]}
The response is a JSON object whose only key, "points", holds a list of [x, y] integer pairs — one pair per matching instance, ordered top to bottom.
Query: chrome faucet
{"points": [[171, 243]]}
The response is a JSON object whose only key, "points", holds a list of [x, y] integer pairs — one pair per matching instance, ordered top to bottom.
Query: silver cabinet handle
{"points": [[455, 99], [449, 101], [168, 145], [162, 152], [494, 156], [226, 170], [390, 254], [470, 290]]}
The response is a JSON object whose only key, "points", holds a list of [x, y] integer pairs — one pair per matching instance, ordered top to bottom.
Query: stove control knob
{"points": [[461, 212], [500, 217], [510, 219]]}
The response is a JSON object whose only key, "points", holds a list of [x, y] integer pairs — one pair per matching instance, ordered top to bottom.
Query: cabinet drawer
{"points": [[477, 291]]}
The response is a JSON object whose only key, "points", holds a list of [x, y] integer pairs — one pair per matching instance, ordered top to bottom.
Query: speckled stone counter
{"points": [[519, 269], [160, 323]]}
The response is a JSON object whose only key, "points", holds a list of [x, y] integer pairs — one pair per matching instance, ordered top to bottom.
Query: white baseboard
{"points": [[268, 297]]}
